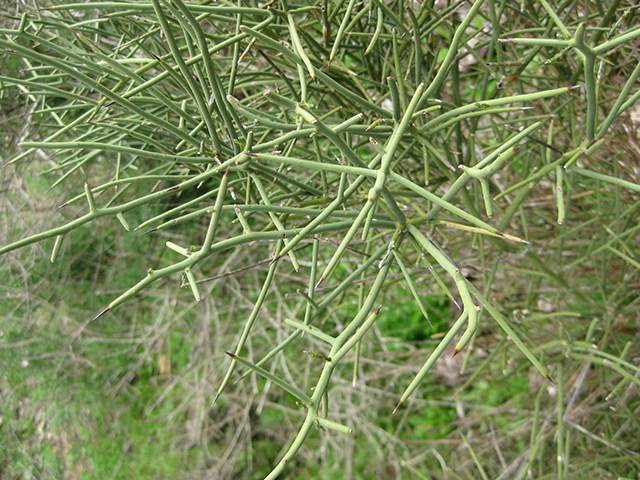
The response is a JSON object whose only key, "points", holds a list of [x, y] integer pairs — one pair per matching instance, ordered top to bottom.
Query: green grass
{"points": [[67, 427]]}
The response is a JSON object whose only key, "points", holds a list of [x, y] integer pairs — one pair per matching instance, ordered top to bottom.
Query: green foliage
{"points": [[296, 168], [406, 322]]}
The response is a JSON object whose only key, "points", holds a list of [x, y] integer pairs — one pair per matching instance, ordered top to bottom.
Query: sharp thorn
{"points": [[102, 313]]}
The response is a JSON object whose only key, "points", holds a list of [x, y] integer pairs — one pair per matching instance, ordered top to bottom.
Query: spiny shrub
{"points": [[368, 144]]}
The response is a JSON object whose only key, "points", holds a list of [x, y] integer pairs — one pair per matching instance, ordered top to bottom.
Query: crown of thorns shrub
{"points": [[351, 141]]}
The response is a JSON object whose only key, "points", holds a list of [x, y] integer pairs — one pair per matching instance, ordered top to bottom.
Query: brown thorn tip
{"points": [[149, 231], [378, 310], [102, 313], [455, 352], [232, 355], [550, 381], [215, 399], [397, 407]]}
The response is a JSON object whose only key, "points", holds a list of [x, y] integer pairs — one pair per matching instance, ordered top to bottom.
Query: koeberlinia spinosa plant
{"points": [[340, 126]]}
